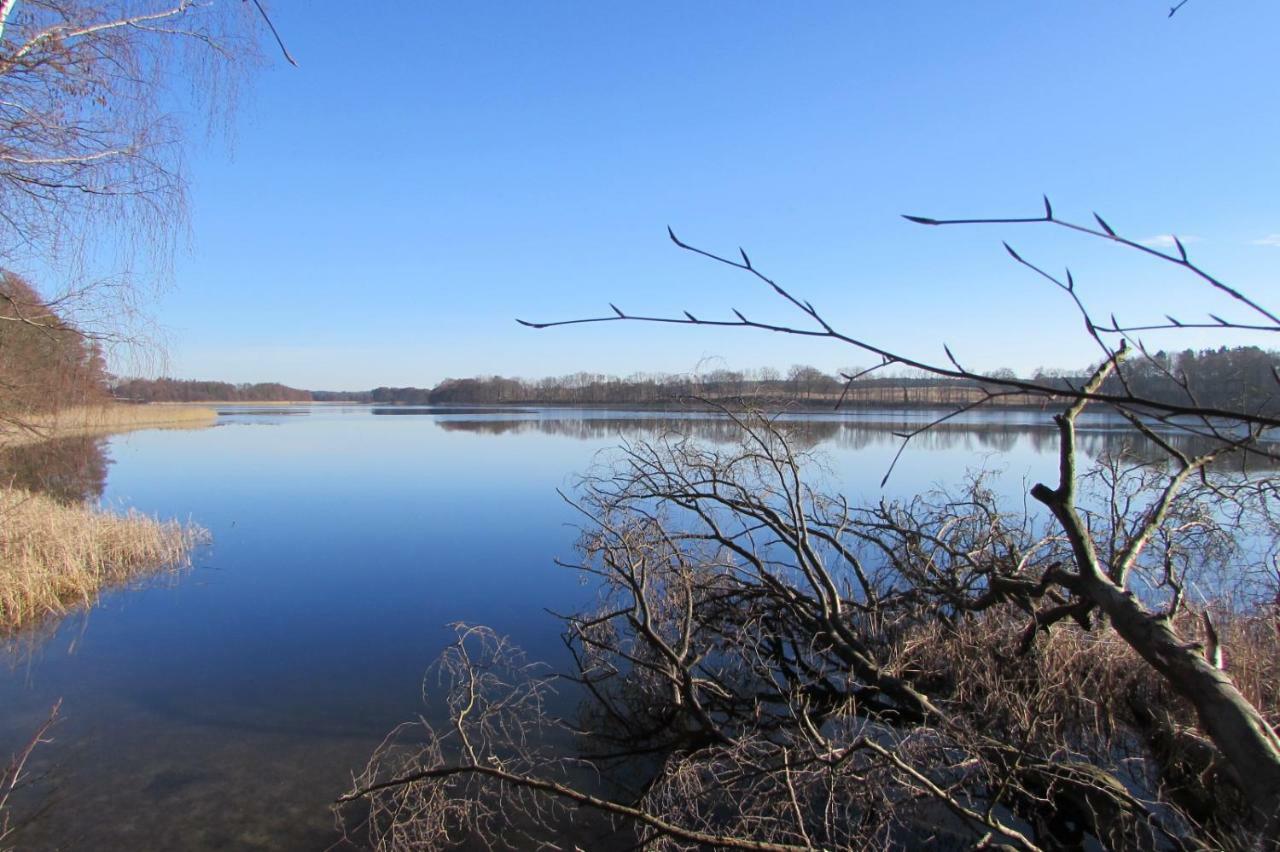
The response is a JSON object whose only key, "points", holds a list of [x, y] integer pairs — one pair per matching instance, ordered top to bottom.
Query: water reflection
{"points": [[446, 409], [280, 411], [1095, 436], [69, 470], [227, 709]]}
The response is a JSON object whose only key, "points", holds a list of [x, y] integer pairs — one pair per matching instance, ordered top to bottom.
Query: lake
{"points": [[227, 706]]}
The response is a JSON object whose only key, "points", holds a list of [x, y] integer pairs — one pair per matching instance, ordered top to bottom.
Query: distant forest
{"points": [[1244, 378], [182, 390]]}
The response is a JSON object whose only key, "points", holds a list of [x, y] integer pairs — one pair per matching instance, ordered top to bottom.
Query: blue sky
{"points": [[432, 171]]}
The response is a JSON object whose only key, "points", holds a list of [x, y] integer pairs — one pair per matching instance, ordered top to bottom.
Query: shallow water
{"points": [[226, 707]]}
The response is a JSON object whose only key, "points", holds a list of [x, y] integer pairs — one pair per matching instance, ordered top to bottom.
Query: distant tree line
{"points": [[1225, 377], [1240, 377], [1243, 378], [802, 383], [181, 390], [342, 396], [400, 396]]}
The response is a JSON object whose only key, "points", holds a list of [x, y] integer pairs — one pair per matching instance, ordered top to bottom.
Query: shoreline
{"points": [[780, 405], [105, 419], [58, 556]]}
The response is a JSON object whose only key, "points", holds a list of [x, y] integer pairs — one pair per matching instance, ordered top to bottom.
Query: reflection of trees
{"points": [[716, 430], [859, 434], [68, 469], [756, 645]]}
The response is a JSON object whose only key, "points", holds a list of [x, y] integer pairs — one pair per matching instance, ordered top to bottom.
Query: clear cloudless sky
{"points": [[433, 170]]}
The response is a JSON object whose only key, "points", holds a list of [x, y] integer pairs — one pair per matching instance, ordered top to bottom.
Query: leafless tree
{"points": [[90, 148], [90, 173], [775, 669], [800, 673], [1250, 743]]}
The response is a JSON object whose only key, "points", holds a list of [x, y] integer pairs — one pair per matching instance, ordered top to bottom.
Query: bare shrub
{"points": [[769, 667]]}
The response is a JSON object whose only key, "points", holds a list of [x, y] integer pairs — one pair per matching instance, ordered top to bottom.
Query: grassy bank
{"points": [[102, 419], [55, 556]]}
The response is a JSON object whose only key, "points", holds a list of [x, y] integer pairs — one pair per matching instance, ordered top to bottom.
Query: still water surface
{"points": [[225, 708]]}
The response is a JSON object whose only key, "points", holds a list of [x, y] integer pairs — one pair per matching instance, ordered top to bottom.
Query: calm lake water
{"points": [[226, 707]]}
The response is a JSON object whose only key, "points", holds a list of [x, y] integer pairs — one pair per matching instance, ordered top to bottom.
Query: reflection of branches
{"points": [[768, 665], [793, 670], [1246, 740], [13, 777]]}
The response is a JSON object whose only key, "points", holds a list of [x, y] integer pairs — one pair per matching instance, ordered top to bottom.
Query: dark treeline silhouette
{"points": [[1225, 377], [1239, 377], [1245, 378], [801, 384], [180, 390], [186, 390], [342, 396], [401, 396]]}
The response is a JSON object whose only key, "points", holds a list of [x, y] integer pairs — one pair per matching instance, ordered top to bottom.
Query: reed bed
{"points": [[102, 419], [54, 557]]}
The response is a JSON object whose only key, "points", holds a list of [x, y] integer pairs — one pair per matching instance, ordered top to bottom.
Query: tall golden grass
{"points": [[102, 419], [54, 556]]}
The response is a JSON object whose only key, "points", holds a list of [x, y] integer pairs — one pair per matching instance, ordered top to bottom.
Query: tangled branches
{"points": [[771, 668]]}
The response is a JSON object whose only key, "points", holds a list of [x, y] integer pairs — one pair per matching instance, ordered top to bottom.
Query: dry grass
{"points": [[104, 419], [54, 557]]}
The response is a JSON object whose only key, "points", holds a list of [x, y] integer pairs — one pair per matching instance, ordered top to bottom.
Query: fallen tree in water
{"points": [[771, 668]]}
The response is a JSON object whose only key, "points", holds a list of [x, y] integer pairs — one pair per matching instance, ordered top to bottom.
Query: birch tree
{"points": [[92, 187]]}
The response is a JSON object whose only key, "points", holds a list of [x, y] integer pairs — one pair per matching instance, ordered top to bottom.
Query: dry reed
{"points": [[102, 419], [54, 556]]}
